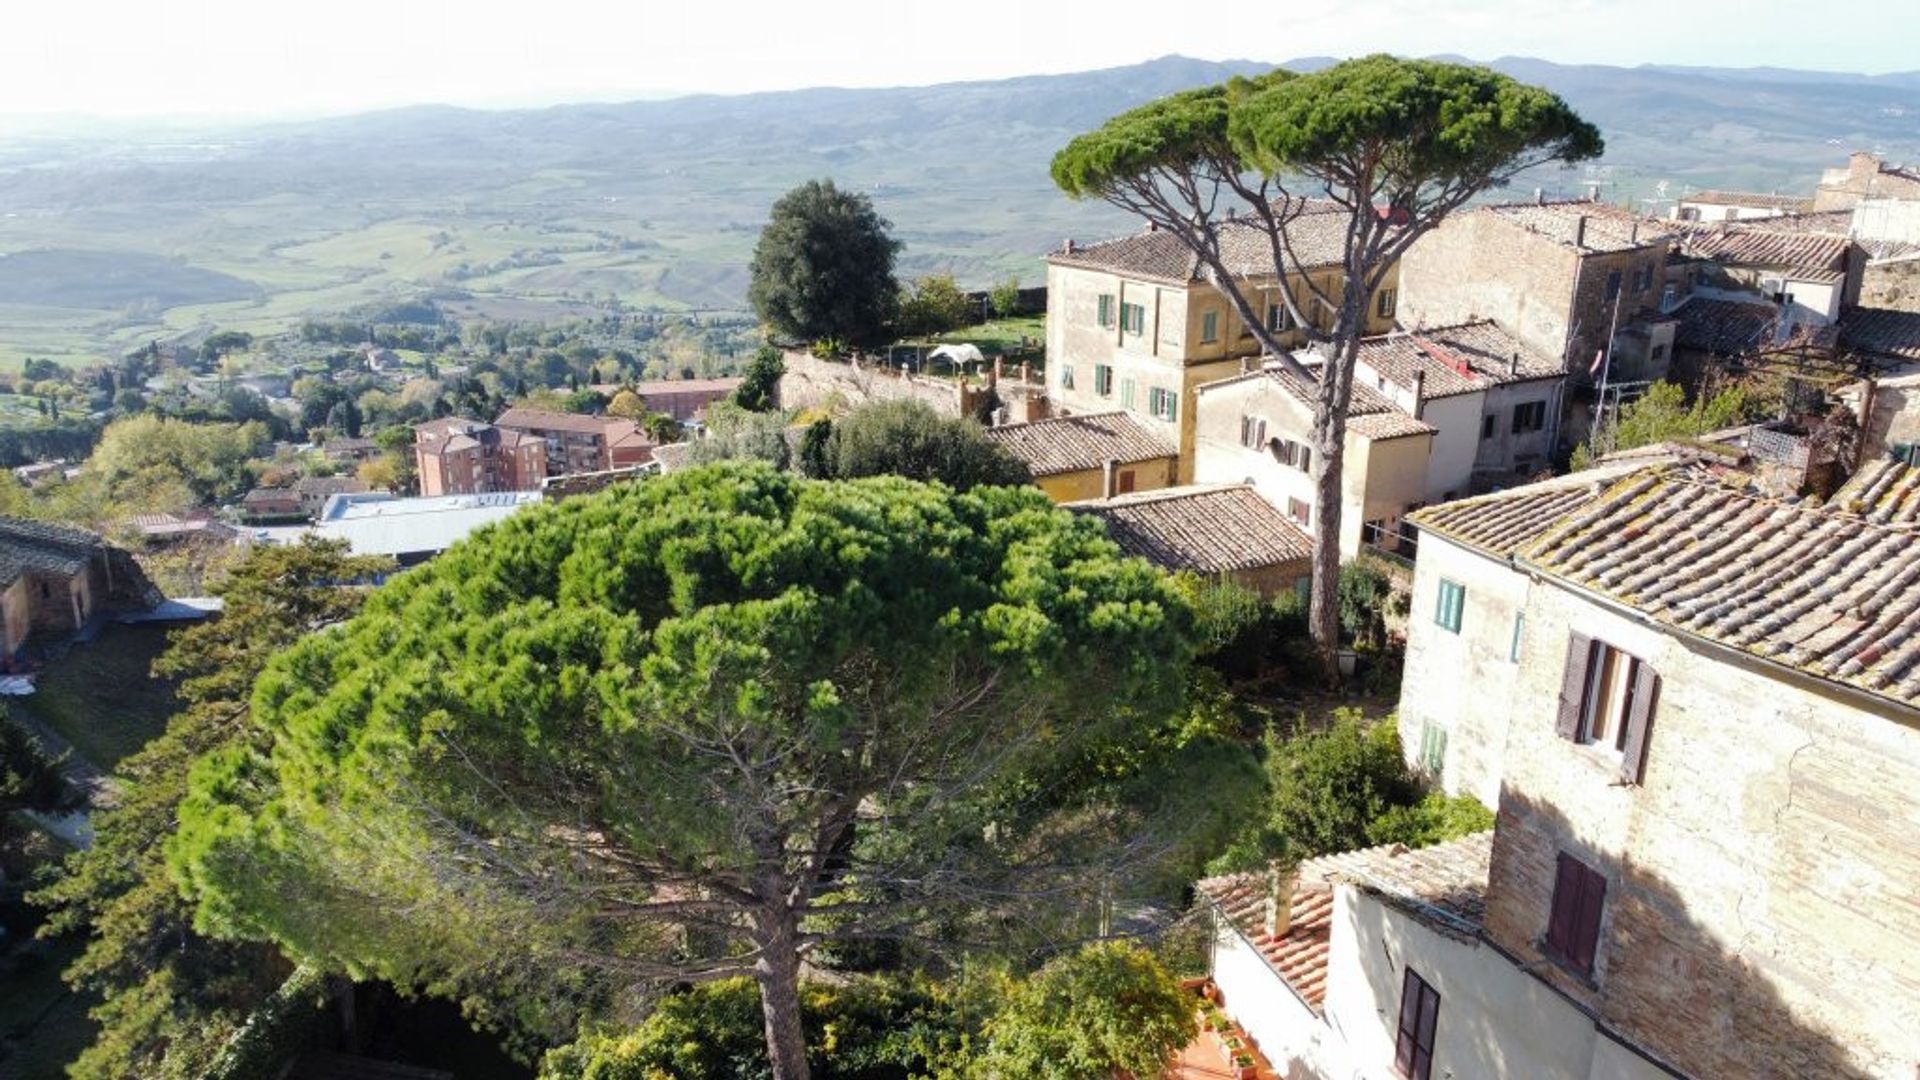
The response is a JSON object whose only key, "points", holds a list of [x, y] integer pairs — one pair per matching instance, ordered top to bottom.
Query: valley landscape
{"points": [[127, 234]]}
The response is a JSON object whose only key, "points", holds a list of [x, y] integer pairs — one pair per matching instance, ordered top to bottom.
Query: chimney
{"points": [[1539, 196], [1153, 226], [1636, 230], [1580, 232], [1069, 245], [1513, 363], [1026, 371], [1419, 394], [1110, 478], [1280, 885]]}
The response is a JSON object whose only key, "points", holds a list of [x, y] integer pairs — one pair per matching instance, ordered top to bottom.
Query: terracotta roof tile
{"points": [[1798, 204], [1608, 228], [1757, 246], [1724, 327], [1882, 332], [1456, 359], [549, 420], [1067, 444], [1884, 491], [1503, 523], [1208, 529], [27, 545], [1832, 594], [1444, 885]]}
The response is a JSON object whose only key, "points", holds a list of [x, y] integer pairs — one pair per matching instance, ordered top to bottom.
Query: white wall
{"points": [[1887, 219], [1455, 445], [1496, 1022], [1298, 1044]]}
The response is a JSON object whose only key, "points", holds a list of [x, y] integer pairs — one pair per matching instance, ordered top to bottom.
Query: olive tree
{"points": [[1395, 145], [702, 727]]}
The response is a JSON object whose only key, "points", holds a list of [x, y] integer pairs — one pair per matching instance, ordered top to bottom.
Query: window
{"points": [[1613, 285], [1385, 302], [1106, 309], [1133, 318], [1279, 319], [1210, 326], [1658, 353], [1066, 376], [1103, 380], [1126, 393], [1163, 404], [1531, 416], [1486, 427], [1253, 432], [1297, 455], [1126, 482], [1300, 512], [1451, 602], [1519, 629], [1607, 699], [1433, 748], [1573, 928], [1413, 1042]]}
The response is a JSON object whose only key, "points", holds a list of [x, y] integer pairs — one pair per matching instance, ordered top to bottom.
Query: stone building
{"points": [[1864, 176], [1564, 278], [1131, 325], [682, 399], [1257, 429], [1092, 455], [456, 456], [54, 579], [1696, 709]]}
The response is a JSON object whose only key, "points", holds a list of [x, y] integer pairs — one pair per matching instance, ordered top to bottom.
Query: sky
{"points": [[146, 58]]}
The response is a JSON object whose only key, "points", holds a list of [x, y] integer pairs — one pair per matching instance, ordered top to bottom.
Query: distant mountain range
{"points": [[658, 202]]}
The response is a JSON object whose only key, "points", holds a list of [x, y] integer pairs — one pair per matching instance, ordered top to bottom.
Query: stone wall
{"points": [[1892, 285], [810, 382], [1760, 915]]}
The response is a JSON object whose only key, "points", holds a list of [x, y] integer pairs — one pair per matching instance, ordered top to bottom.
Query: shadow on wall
{"points": [[1665, 981]]}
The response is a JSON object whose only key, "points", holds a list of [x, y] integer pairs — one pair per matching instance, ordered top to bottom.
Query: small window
{"points": [[1613, 285], [1385, 302], [1106, 309], [1133, 318], [1279, 319], [1210, 327], [1658, 353], [1066, 376], [1103, 380], [1126, 393], [1163, 404], [1531, 416], [1486, 427], [1253, 432], [1300, 512], [1451, 602], [1519, 630], [1607, 700], [1433, 748], [1573, 927], [1413, 1041]]}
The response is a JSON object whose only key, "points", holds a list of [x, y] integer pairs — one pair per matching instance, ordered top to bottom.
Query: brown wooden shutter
{"points": [[1573, 686], [1646, 694], [1593, 898], [1566, 903]]}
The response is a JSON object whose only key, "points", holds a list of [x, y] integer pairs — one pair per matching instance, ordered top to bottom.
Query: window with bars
{"points": [[1451, 602], [1573, 924], [1413, 1037]]}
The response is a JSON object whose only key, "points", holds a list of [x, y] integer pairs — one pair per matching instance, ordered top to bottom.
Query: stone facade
{"points": [[1864, 176], [809, 382]]}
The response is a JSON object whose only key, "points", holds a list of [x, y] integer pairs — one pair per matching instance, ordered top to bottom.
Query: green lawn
{"points": [[1003, 336], [102, 696]]}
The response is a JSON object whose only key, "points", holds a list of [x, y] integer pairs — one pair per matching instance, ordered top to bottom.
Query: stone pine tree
{"points": [[1396, 145], [823, 268], [702, 727]]}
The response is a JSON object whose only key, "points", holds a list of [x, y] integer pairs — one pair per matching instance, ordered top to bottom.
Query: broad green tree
{"points": [[1395, 144], [823, 267], [934, 305], [759, 389], [1663, 413], [907, 438], [701, 727], [170, 997], [1111, 1007]]}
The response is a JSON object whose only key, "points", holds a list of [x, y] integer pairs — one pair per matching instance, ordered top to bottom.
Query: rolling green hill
{"points": [[112, 241]]}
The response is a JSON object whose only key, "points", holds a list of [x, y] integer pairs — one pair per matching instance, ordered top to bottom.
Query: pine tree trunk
{"points": [[1335, 394], [778, 973]]}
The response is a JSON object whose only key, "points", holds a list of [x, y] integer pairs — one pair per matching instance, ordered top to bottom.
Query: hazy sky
{"points": [[142, 57]]}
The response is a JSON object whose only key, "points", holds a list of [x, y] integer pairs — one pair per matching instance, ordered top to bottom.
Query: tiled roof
{"points": [[1790, 203], [1608, 228], [1317, 237], [1756, 246], [1724, 327], [1882, 331], [1456, 359], [688, 386], [1369, 413], [549, 420], [1068, 444], [673, 456], [329, 485], [1883, 491], [1505, 522], [1209, 529], [27, 545], [1832, 594], [1444, 885]]}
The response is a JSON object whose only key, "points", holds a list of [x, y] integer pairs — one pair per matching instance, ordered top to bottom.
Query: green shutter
{"points": [[1210, 326], [1126, 393], [1452, 601], [1519, 627], [1433, 747]]}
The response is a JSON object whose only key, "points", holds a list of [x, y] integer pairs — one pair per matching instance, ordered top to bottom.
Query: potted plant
{"points": [[1244, 1066]]}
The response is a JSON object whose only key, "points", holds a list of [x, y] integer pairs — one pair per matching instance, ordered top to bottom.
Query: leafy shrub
{"points": [[1433, 819]]}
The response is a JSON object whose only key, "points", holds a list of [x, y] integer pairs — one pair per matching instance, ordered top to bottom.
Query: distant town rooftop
{"points": [[1793, 204]]}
